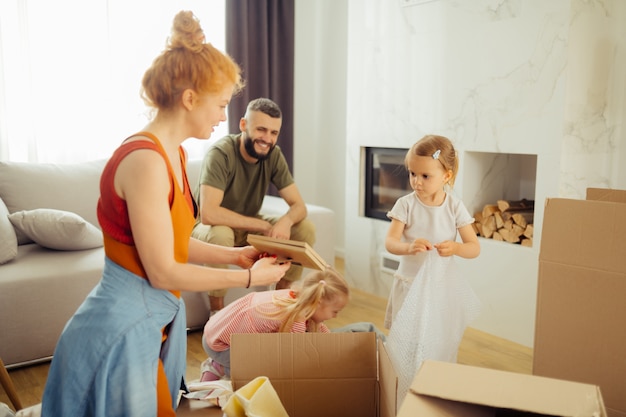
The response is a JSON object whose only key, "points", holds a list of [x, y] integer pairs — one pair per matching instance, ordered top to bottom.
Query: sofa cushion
{"points": [[69, 187], [57, 229], [8, 240], [39, 291]]}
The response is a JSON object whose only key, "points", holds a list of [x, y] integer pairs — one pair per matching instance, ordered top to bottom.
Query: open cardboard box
{"points": [[580, 329], [314, 374], [319, 374], [446, 389]]}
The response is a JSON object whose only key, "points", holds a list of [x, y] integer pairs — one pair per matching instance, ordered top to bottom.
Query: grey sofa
{"points": [[40, 288]]}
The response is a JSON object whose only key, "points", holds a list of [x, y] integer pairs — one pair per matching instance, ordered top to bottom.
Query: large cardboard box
{"points": [[580, 332], [314, 374], [317, 374], [447, 389]]}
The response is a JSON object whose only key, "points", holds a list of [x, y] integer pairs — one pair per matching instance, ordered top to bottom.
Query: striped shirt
{"points": [[248, 314]]}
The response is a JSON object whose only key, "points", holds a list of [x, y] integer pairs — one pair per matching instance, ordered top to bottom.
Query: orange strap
{"points": [[164, 398]]}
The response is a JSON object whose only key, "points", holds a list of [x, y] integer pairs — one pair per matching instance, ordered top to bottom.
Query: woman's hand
{"points": [[247, 256], [266, 271]]}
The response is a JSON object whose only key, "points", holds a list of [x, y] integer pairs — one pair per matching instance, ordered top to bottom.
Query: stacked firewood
{"points": [[507, 221]]}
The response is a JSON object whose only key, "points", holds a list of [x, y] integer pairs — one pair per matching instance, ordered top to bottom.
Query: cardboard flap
{"points": [[606, 194], [589, 234], [303, 355], [388, 383], [500, 389], [425, 406]]}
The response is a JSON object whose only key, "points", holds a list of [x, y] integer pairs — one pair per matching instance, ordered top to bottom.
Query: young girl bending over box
{"points": [[321, 296]]}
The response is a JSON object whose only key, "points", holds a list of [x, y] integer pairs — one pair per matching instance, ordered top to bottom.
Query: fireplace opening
{"points": [[384, 180], [499, 190]]}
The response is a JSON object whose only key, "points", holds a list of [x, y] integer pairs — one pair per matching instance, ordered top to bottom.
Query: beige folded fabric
{"points": [[255, 399]]}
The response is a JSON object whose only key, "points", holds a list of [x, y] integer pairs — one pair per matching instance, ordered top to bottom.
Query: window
{"points": [[71, 70]]}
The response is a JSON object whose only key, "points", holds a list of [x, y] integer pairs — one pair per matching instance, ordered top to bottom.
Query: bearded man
{"points": [[236, 174]]}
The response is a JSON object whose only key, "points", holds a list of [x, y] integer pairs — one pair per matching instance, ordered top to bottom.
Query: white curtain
{"points": [[71, 70]]}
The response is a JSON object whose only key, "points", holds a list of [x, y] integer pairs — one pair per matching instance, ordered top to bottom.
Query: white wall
{"points": [[320, 105]]}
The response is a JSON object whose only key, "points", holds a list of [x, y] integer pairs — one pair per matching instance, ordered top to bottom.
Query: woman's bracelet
{"points": [[249, 278]]}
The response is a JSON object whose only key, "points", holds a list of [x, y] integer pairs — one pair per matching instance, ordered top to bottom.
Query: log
{"points": [[519, 205], [489, 209], [523, 217], [499, 221], [489, 226], [518, 230], [528, 232], [509, 235], [512, 235], [497, 236], [528, 242]]}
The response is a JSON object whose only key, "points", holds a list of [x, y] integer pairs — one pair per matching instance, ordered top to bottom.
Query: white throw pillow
{"points": [[57, 229], [8, 239]]}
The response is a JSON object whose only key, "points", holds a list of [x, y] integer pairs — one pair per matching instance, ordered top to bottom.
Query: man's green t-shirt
{"points": [[244, 184]]}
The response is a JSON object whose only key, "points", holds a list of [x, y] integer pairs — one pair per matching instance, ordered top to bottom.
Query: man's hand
{"points": [[281, 229]]}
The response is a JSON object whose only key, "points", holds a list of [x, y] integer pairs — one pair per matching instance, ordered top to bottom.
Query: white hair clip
{"points": [[436, 154]]}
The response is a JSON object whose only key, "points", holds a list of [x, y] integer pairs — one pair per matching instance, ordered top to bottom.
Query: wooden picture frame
{"points": [[298, 253]]}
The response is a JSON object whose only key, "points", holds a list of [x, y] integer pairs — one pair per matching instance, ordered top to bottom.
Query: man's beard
{"points": [[248, 144]]}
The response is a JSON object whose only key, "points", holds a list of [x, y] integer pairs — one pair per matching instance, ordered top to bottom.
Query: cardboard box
{"points": [[605, 194], [580, 329], [317, 374], [447, 389]]}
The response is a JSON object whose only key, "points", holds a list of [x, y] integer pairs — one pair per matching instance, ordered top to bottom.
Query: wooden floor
{"points": [[477, 348]]}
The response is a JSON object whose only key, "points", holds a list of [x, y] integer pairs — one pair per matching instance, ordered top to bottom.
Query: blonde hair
{"points": [[188, 63], [429, 145], [316, 287]]}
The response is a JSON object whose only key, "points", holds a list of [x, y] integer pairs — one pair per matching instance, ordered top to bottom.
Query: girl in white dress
{"points": [[430, 304]]}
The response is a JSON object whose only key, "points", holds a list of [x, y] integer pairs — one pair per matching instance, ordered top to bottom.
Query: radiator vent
{"points": [[389, 263]]}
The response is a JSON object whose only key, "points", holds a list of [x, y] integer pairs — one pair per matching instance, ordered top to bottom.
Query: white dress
{"points": [[431, 303]]}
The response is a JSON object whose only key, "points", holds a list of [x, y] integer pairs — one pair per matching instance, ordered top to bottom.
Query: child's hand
{"points": [[419, 245], [446, 248], [267, 271]]}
